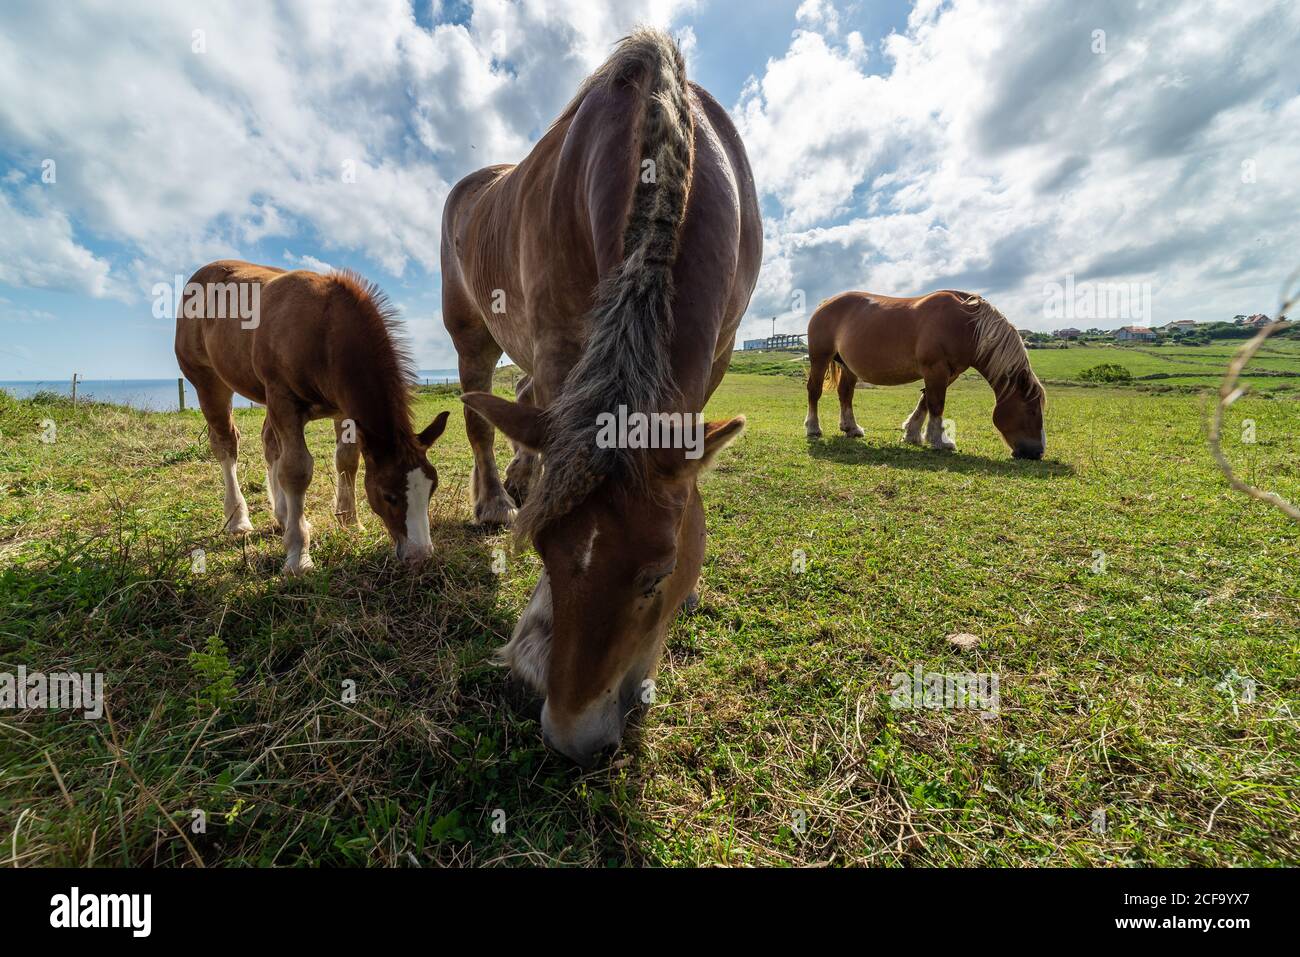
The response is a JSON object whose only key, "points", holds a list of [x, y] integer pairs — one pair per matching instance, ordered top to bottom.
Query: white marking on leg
{"points": [[811, 424], [848, 424], [913, 424], [934, 435], [419, 487], [275, 494], [236, 509], [297, 533], [528, 654]]}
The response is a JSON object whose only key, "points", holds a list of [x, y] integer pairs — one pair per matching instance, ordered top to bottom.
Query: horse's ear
{"points": [[523, 423], [430, 435], [717, 436]]}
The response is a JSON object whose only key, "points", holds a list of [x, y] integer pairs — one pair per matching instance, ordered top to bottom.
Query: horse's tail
{"points": [[626, 360], [832, 380]]}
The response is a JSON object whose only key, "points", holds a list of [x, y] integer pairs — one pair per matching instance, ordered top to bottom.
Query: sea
{"points": [[156, 395]]}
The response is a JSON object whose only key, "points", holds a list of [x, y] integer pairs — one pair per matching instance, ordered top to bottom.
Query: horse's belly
{"points": [[877, 369]]}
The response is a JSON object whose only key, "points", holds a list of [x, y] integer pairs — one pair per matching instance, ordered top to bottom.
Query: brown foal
{"points": [[309, 346]]}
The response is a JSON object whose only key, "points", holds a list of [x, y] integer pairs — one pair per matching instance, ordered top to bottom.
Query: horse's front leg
{"points": [[477, 354], [936, 390], [914, 424], [347, 456], [293, 470], [519, 473]]}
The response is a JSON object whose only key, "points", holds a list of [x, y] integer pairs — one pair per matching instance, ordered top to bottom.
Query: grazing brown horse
{"points": [[613, 265], [889, 341], [310, 347]]}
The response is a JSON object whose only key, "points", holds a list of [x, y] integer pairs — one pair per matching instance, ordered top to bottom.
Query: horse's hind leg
{"points": [[477, 354], [818, 365], [215, 401], [914, 423], [848, 425], [271, 449], [347, 456], [292, 472], [519, 473]]}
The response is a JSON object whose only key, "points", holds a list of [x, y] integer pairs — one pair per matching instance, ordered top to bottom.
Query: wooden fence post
{"points": [[74, 390], [180, 393]]}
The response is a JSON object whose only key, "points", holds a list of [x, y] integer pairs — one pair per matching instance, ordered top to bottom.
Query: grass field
{"points": [[1141, 619]]}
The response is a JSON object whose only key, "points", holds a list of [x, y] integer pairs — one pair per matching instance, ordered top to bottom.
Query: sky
{"points": [[1013, 148]]}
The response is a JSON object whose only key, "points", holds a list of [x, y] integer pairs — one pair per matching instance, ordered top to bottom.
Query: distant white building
{"points": [[1126, 333]]}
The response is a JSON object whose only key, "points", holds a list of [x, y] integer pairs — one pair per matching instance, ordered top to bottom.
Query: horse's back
{"points": [[289, 312], [886, 340]]}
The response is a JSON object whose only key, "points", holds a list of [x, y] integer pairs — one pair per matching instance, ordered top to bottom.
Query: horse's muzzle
{"points": [[1028, 450], [412, 554]]}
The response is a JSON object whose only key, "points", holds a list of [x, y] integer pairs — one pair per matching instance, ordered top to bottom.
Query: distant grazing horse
{"points": [[613, 265], [936, 337], [313, 347]]}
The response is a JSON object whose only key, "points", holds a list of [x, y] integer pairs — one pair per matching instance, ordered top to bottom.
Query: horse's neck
{"points": [[367, 397]]}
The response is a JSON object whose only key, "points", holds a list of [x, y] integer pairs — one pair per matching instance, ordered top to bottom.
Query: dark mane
{"points": [[382, 345], [625, 360]]}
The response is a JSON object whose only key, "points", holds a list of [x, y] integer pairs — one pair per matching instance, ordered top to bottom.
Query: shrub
{"points": [[1106, 372]]}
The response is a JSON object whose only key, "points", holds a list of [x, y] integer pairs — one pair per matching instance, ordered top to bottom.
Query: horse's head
{"points": [[1018, 415], [399, 483], [618, 564]]}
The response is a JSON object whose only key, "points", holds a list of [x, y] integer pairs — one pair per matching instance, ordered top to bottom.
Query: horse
{"points": [[613, 265], [936, 337], [309, 346]]}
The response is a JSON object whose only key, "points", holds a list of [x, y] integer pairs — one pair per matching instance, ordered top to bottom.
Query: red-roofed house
{"points": [[1126, 333]]}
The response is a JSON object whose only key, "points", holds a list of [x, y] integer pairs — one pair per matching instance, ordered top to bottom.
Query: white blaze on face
{"points": [[418, 489], [584, 560]]}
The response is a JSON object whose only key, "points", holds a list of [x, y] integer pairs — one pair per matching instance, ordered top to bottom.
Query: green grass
{"points": [[772, 740]]}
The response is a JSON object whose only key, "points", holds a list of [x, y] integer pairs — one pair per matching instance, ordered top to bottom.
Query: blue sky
{"points": [[994, 146]]}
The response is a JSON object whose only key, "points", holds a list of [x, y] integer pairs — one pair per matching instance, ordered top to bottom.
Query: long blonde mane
{"points": [[999, 350]]}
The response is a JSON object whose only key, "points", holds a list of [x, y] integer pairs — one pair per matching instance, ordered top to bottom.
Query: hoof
{"points": [[814, 433], [854, 433], [912, 439], [944, 447], [499, 511], [348, 519], [239, 526], [301, 566], [691, 603]]}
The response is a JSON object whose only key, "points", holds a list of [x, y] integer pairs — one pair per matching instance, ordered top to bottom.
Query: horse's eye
{"points": [[390, 498], [648, 580]]}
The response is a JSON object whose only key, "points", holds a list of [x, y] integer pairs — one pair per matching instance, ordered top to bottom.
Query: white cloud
{"points": [[818, 14], [350, 121], [997, 151], [38, 250], [307, 262]]}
